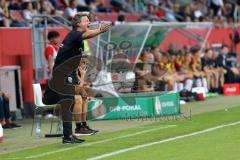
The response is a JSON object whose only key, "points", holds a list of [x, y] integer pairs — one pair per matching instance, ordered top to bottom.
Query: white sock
{"points": [[198, 82], [204, 82], [188, 84], [175, 87], [180, 87]]}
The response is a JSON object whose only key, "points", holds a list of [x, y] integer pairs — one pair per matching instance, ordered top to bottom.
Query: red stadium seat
{"points": [[106, 3], [107, 16], [114, 16], [132, 17]]}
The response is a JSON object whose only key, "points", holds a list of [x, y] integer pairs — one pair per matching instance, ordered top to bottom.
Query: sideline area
{"points": [[20, 139]]}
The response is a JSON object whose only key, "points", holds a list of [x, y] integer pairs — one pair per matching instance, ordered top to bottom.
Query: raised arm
{"points": [[90, 33]]}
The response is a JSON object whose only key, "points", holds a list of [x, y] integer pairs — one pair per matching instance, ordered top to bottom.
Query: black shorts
{"points": [[51, 97], [66, 103]]}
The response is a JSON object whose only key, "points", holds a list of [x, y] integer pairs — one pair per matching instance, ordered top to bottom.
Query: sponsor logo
{"points": [[232, 89], [167, 104], [125, 108]]}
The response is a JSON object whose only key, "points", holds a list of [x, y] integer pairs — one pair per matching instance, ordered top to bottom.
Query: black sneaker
{"points": [[15, 125], [7, 126], [95, 131], [83, 132], [71, 140]]}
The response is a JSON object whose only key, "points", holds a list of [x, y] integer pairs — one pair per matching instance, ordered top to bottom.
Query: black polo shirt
{"points": [[72, 46], [67, 60]]}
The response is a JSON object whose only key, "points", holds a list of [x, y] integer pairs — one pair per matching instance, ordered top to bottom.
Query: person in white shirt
{"points": [[71, 10], [28, 11]]}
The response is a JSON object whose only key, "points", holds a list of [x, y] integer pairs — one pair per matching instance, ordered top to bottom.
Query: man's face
{"points": [[84, 24], [225, 50]]}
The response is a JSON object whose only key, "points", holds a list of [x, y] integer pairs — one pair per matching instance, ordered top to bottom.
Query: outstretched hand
{"points": [[105, 27]]}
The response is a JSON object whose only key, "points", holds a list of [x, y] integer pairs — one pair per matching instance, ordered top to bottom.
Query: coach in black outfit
{"points": [[67, 60]]}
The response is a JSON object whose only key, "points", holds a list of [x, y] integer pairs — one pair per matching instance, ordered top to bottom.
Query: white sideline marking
{"points": [[162, 141], [92, 143]]}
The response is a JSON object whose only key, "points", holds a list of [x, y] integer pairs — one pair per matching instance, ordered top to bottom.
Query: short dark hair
{"points": [[52, 34], [224, 46], [153, 47], [208, 49], [194, 50]]}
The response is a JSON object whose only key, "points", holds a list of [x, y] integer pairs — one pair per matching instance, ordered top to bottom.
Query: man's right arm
{"points": [[95, 32]]}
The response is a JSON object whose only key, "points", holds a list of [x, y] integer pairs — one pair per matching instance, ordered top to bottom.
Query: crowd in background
{"points": [[221, 12], [187, 68]]}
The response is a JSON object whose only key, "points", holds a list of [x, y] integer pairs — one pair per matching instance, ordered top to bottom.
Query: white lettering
{"points": [[233, 89], [167, 104], [125, 108]]}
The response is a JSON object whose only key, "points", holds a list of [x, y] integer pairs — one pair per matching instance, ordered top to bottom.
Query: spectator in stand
{"points": [[55, 4], [63, 4], [15, 5], [122, 5], [83, 6], [98, 6], [216, 6], [46, 7], [140, 7], [71, 10], [169, 10], [228, 10], [28, 11], [159, 11], [237, 11], [186, 13], [5, 19], [52, 49], [5, 118]]}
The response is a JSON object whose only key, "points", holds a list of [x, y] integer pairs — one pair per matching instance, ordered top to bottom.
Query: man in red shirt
{"points": [[52, 49]]}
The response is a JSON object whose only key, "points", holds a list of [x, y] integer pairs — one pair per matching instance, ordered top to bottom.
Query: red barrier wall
{"points": [[16, 49]]}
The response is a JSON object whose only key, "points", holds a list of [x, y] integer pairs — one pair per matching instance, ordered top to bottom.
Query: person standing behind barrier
{"points": [[52, 49]]}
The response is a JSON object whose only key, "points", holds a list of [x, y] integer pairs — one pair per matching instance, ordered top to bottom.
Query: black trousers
{"points": [[58, 92], [66, 103], [4, 109]]}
